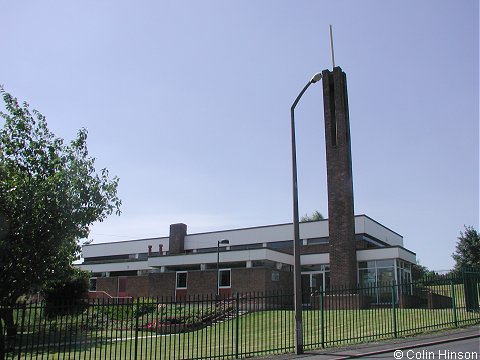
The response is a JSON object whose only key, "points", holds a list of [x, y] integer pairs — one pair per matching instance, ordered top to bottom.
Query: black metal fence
{"points": [[240, 326]]}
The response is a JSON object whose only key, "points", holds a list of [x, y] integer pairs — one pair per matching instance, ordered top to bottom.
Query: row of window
{"points": [[276, 245], [224, 279]]}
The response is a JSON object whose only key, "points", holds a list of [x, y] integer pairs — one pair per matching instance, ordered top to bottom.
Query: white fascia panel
{"points": [[314, 229], [378, 231], [240, 236], [124, 247], [386, 253], [225, 256], [315, 259], [120, 266]]}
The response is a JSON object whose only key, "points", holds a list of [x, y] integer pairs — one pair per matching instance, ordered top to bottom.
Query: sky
{"points": [[188, 103]]}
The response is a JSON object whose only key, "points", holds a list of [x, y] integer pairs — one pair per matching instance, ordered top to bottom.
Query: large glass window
{"points": [[384, 263], [376, 272], [377, 276], [385, 276], [368, 277], [404, 277], [224, 278], [181, 280]]}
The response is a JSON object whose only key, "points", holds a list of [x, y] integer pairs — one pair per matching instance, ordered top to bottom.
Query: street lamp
{"points": [[223, 242], [297, 278]]}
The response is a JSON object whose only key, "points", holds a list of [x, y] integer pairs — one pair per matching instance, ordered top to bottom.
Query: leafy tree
{"points": [[50, 193], [316, 216], [467, 252], [420, 272], [66, 296]]}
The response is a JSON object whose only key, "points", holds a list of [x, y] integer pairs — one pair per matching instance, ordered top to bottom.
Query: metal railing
{"points": [[207, 327]]}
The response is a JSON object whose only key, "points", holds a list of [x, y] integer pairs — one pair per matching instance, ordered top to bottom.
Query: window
{"points": [[317, 241], [280, 244], [246, 246], [384, 263], [275, 276], [376, 277], [224, 278], [181, 280], [92, 284]]}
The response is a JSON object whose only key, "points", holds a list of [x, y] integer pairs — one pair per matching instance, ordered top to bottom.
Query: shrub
{"points": [[68, 296]]}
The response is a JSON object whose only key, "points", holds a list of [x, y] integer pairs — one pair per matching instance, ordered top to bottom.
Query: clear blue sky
{"points": [[188, 103]]}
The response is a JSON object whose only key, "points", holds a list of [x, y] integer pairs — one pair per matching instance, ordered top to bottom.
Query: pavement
{"points": [[367, 350]]}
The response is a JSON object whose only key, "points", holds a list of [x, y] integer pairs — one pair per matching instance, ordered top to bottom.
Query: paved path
{"points": [[428, 346]]}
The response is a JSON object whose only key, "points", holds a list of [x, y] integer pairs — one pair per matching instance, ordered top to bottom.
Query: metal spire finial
{"points": [[331, 45]]}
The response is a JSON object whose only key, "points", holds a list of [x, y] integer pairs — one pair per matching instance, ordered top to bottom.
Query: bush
{"points": [[68, 296]]}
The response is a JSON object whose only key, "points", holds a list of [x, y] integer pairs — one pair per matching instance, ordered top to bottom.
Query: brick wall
{"points": [[314, 249], [260, 280], [200, 283], [108, 284], [161, 284], [137, 286]]}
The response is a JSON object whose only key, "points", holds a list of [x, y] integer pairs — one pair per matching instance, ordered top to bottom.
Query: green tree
{"points": [[50, 193], [316, 216], [467, 251], [420, 272], [67, 295]]}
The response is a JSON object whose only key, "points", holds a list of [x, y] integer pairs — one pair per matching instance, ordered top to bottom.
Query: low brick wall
{"points": [[424, 298], [411, 301], [436, 301]]}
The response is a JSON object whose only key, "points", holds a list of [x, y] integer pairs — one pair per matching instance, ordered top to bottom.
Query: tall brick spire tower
{"points": [[341, 222]]}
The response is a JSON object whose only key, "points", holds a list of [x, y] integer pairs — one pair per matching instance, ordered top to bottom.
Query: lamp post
{"points": [[223, 242], [297, 278]]}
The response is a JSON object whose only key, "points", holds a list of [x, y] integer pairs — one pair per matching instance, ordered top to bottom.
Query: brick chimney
{"points": [[177, 239]]}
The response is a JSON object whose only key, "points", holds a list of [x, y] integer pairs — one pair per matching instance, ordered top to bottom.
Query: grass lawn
{"points": [[260, 333]]}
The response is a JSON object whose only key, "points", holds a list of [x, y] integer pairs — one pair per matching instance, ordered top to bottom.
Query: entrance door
{"points": [[312, 283], [317, 283], [122, 287], [305, 289]]}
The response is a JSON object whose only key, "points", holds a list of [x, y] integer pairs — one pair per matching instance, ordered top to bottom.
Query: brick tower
{"points": [[341, 222]]}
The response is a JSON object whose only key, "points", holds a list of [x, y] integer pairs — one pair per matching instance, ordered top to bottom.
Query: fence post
{"points": [[454, 303], [394, 312], [237, 313], [136, 327], [322, 327], [20, 333]]}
